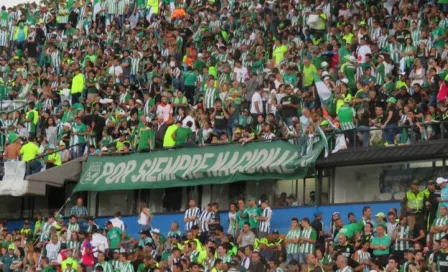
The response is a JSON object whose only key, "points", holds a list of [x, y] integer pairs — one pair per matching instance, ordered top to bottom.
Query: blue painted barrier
{"points": [[281, 219]]}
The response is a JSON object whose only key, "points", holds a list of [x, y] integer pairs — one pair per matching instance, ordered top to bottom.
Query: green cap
{"points": [[348, 99], [392, 100], [12, 137], [252, 198], [380, 214], [59, 216], [13, 247], [69, 261]]}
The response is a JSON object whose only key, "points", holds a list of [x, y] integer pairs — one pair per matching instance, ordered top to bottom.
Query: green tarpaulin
{"points": [[197, 166]]}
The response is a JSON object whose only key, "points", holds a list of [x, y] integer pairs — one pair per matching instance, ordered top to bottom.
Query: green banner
{"points": [[196, 166]]}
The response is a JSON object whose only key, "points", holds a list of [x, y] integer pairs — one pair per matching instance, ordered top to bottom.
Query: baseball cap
{"points": [[441, 180], [380, 214], [156, 231], [275, 232], [13, 247], [69, 261]]}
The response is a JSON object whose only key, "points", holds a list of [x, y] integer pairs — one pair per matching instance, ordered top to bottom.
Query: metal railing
{"points": [[439, 131]]}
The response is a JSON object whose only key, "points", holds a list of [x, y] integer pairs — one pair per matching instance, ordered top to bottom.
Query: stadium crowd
{"points": [[134, 76], [414, 238]]}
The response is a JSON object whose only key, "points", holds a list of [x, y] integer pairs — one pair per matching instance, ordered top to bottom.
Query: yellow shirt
{"points": [[278, 53], [78, 83], [168, 140], [29, 151], [56, 157], [64, 265]]}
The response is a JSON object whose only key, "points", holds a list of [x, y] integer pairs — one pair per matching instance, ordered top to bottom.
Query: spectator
{"points": [[80, 212]]}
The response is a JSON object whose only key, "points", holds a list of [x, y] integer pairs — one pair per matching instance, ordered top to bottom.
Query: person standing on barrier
{"points": [[414, 204]]}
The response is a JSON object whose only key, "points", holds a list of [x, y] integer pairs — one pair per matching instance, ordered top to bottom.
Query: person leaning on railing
{"points": [[29, 152], [52, 158]]}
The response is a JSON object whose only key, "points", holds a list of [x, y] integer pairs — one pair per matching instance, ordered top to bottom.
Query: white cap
{"points": [[200, 55], [352, 59], [172, 63], [324, 64], [325, 73], [327, 77], [344, 80], [138, 101], [67, 125], [104, 148], [441, 180], [156, 231]]}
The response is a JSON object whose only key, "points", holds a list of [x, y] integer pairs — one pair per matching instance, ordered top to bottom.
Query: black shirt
{"points": [[288, 112], [395, 115], [220, 120], [441, 260]]}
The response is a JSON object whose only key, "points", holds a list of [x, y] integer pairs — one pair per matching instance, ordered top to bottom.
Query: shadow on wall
{"points": [[281, 217]]}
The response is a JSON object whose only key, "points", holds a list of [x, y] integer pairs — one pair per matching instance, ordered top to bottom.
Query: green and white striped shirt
{"points": [[121, 6], [112, 7], [4, 37], [135, 65], [210, 96], [438, 222], [73, 227], [403, 232], [75, 245], [307, 247], [293, 248], [116, 264], [107, 267], [127, 267]]}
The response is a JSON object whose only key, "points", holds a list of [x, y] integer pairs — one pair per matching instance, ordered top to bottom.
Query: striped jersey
{"points": [[111, 6], [121, 6], [4, 34], [55, 58], [135, 65], [210, 95], [195, 211], [203, 219], [438, 222], [265, 226], [73, 227], [45, 231], [403, 232], [75, 245], [307, 247], [293, 248], [363, 255], [116, 265], [107, 267], [127, 267]]}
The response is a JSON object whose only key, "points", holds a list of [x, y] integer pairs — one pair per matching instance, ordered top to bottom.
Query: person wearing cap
{"points": [[346, 116], [31, 118], [391, 123], [12, 150], [53, 158], [414, 204], [265, 220], [144, 239], [440, 257], [7, 258], [115, 261]]}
